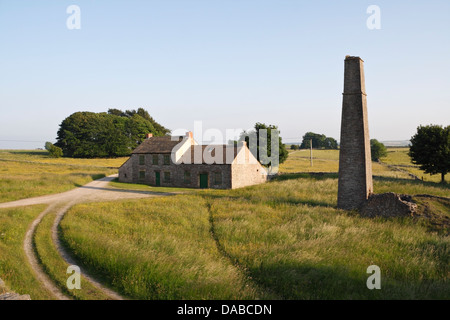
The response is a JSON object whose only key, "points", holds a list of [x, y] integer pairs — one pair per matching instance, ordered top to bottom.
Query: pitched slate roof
{"points": [[163, 144], [197, 155]]}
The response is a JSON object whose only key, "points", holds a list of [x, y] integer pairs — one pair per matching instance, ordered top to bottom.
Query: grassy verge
{"points": [[157, 248], [56, 267], [14, 268]]}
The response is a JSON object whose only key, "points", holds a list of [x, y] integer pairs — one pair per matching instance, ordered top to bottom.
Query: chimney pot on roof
{"points": [[148, 135]]}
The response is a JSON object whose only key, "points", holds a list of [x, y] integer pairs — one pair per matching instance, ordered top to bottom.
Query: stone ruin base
{"points": [[388, 205], [11, 295], [14, 296]]}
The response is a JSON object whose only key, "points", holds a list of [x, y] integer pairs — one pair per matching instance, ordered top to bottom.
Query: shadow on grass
{"points": [[29, 152], [306, 175], [334, 175], [94, 176], [97, 176], [413, 182], [152, 188], [128, 190], [273, 202], [311, 203], [440, 250], [298, 281]]}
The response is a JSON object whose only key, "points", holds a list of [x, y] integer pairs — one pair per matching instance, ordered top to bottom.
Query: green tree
{"points": [[143, 114], [116, 133], [319, 141], [330, 143], [48, 145], [294, 147], [430, 149], [377, 150], [53, 151], [263, 151]]}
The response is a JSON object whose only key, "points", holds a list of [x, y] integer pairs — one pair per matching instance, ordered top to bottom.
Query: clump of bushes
{"points": [[53, 151]]}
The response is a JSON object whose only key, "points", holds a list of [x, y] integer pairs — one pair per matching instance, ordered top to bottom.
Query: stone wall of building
{"points": [[244, 170], [135, 171], [125, 172], [247, 175]]}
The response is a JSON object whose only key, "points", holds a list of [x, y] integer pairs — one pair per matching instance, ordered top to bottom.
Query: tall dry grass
{"points": [[283, 239], [154, 249]]}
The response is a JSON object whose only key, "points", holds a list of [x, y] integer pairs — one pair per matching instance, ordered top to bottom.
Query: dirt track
{"points": [[94, 191]]}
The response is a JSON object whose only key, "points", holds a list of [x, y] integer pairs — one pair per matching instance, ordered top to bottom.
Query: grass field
{"points": [[41, 156], [399, 157], [299, 161], [328, 161], [25, 174], [144, 187], [284, 239], [311, 250], [166, 253]]}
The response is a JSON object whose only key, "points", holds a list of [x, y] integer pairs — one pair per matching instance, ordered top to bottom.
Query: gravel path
{"points": [[94, 191]]}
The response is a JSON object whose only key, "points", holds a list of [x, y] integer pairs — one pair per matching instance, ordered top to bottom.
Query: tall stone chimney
{"points": [[355, 164]]}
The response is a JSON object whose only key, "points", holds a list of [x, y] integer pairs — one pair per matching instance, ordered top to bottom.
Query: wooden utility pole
{"points": [[310, 152]]}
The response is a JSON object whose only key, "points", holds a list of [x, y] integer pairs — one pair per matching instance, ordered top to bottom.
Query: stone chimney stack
{"points": [[148, 135], [355, 164]]}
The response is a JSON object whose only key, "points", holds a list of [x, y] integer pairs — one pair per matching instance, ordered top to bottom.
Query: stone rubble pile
{"points": [[11, 295]]}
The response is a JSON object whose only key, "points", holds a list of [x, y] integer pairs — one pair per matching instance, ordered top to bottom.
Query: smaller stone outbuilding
{"points": [[179, 161]]}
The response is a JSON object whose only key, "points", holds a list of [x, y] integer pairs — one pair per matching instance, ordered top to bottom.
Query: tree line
{"points": [[106, 134], [319, 141], [263, 151]]}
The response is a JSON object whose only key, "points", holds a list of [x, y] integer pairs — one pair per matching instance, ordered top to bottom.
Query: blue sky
{"points": [[227, 63]]}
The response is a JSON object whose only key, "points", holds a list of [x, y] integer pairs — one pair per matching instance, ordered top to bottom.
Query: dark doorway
{"points": [[157, 178], [203, 180]]}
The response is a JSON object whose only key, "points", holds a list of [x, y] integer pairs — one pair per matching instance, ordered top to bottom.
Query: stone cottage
{"points": [[181, 162]]}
